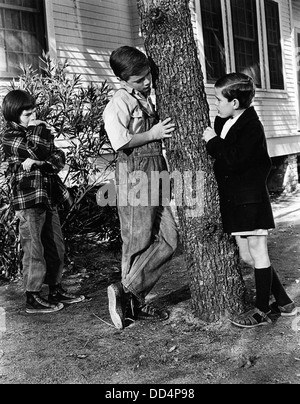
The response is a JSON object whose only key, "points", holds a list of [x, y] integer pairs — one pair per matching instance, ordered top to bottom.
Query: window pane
{"points": [[13, 2], [23, 3], [30, 3], [1, 19], [12, 19], [28, 22], [22, 35], [213, 39], [13, 41], [30, 43], [274, 47], [246, 49], [14, 59], [32, 60]]}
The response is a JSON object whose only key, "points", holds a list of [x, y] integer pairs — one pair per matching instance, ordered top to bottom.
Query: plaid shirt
{"points": [[41, 185]]}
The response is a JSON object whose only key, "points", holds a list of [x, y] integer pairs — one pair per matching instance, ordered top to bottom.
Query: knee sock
{"points": [[263, 282], [278, 290]]}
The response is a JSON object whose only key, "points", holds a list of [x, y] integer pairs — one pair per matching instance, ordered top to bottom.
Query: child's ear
{"points": [[121, 80], [236, 103]]}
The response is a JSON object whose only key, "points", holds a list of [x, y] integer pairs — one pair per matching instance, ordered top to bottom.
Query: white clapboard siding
{"points": [[87, 31]]}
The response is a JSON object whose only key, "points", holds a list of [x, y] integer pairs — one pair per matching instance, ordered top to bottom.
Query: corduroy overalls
{"points": [[148, 229]]}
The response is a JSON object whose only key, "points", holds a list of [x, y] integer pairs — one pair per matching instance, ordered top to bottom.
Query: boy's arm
{"points": [[117, 117], [159, 131], [236, 157]]}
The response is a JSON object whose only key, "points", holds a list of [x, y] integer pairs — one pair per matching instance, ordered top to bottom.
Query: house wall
{"points": [[86, 31], [296, 35], [276, 108], [279, 112]]}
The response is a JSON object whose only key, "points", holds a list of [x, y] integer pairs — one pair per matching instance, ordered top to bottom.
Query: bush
{"points": [[76, 114]]}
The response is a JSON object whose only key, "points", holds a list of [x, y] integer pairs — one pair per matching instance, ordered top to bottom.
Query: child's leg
{"points": [[149, 237], [54, 247], [258, 248], [259, 251], [244, 252], [149, 265], [34, 266], [263, 272], [266, 280], [278, 291]]}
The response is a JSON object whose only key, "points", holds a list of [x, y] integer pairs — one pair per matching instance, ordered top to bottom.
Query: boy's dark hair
{"points": [[128, 61], [237, 86], [15, 102]]}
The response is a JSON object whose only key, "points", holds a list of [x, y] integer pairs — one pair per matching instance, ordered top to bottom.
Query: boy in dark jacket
{"points": [[34, 164], [242, 165]]}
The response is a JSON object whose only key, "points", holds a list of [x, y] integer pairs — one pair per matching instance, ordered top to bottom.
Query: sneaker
{"points": [[58, 295], [115, 295], [37, 304], [130, 306], [134, 310], [288, 310], [150, 312], [253, 318]]}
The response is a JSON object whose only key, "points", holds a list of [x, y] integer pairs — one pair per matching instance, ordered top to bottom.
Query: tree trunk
{"points": [[216, 283]]}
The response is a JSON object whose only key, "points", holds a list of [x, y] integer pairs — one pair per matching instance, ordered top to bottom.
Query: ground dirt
{"points": [[79, 345]]}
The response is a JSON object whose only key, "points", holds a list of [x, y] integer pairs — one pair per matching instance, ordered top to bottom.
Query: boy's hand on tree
{"points": [[162, 129], [208, 134]]}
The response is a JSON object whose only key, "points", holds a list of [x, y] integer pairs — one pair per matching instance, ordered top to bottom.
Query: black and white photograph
{"points": [[150, 194]]}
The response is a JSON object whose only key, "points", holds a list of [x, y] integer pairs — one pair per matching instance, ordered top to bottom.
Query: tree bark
{"points": [[216, 283]]}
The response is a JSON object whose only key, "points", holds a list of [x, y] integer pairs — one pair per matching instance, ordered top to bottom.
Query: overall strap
{"points": [[141, 106]]}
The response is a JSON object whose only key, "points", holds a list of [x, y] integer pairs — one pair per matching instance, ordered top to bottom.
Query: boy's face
{"points": [[141, 83], [226, 109], [27, 116]]}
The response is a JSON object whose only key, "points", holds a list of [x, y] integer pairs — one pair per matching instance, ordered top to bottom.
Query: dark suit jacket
{"points": [[241, 166]]}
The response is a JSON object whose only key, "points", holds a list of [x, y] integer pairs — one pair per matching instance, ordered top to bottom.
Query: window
{"points": [[22, 35], [213, 36], [245, 37], [274, 46]]}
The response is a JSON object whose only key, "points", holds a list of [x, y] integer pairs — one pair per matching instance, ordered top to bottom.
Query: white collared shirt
{"points": [[122, 116], [228, 124]]}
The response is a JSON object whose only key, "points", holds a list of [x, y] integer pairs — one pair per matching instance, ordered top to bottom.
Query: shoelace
{"points": [[42, 301], [149, 309]]}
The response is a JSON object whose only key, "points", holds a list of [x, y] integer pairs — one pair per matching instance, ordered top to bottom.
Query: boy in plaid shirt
{"points": [[34, 163]]}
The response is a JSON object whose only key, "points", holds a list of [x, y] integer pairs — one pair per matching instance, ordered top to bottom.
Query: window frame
{"points": [[230, 12], [201, 38], [203, 42], [265, 48], [7, 75], [265, 88]]}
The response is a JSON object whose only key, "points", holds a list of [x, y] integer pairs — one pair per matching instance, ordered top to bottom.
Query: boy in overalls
{"points": [[148, 229]]}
